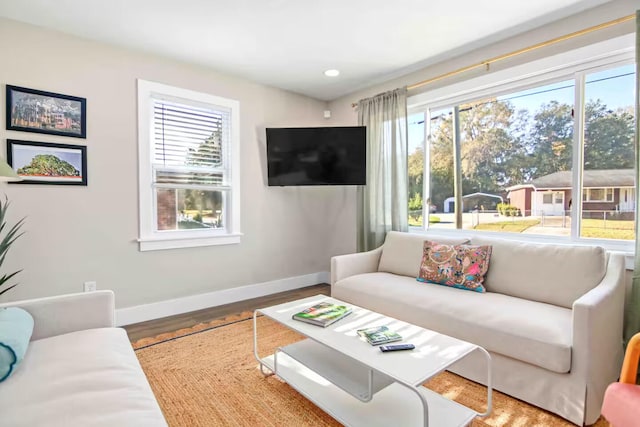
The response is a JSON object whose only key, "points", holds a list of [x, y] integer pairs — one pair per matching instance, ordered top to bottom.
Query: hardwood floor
{"points": [[155, 327]]}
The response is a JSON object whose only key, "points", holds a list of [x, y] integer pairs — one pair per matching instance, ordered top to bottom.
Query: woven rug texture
{"points": [[207, 376]]}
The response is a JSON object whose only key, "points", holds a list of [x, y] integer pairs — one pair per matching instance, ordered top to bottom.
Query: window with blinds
{"points": [[190, 145], [189, 172]]}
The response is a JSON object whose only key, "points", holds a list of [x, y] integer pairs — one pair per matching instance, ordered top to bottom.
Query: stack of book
{"points": [[323, 314], [379, 335]]}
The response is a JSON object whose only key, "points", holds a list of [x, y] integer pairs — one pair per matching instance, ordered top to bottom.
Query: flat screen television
{"points": [[316, 156]]}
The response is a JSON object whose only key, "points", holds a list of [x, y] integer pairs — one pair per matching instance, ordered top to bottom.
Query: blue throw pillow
{"points": [[16, 327]]}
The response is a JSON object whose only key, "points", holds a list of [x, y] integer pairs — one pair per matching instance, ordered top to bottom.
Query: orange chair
{"points": [[621, 406]]}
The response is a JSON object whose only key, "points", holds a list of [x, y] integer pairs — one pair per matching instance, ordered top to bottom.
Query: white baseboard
{"points": [[156, 310]]}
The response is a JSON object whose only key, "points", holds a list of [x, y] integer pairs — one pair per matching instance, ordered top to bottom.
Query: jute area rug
{"points": [[207, 376]]}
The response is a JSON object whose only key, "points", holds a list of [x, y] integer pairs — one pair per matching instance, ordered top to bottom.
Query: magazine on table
{"points": [[323, 314], [379, 335]]}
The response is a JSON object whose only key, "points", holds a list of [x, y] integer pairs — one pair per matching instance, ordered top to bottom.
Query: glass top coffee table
{"points": [[355, 382]]}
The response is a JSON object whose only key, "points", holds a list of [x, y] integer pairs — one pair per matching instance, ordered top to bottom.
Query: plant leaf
{"points": [[11, 236], [6, 277], [8, 289]]}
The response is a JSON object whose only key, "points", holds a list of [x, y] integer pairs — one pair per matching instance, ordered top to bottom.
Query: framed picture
{"points": [[31, 110], [45, 163]]}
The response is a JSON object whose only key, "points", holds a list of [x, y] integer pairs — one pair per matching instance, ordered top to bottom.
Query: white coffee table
{"points": [[355, 382]]}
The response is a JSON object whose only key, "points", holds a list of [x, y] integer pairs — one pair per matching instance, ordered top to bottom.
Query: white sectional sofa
{"points": [[552, 316], [79, 370]]}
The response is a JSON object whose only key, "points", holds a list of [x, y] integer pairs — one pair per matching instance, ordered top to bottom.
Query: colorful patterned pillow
{"points": [[458, 266]]}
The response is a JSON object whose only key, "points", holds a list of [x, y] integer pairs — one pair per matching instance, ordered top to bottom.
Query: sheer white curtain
{"points": [[382, 203], [633, 305]]}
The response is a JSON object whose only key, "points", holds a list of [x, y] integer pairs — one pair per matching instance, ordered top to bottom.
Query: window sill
{"points": [[161, 243]]}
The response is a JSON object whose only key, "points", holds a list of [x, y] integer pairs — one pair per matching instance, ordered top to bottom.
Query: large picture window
{"points": [[188, 147], [526, 147], [597, 195]]}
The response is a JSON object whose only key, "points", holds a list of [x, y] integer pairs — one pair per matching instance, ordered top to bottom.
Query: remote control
{"points": [[397, 347]]}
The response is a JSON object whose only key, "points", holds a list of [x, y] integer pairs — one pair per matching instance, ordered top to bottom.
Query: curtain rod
{"points": [[490, 61]]}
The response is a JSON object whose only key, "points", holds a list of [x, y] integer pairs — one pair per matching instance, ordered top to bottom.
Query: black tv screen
{"points": [[316, 156]]}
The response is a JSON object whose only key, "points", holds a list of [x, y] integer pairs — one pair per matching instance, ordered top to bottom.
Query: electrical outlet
{"points": [[90, 286]]}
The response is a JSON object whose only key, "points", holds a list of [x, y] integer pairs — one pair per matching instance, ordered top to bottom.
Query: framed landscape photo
{"points": [[31, 110], [46, 163]]}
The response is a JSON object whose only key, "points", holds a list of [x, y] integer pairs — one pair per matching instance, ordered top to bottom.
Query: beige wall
{"points": [[75, 234]]}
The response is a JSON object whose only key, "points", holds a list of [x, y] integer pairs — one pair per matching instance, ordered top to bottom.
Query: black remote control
{"points": [[396, 347]]}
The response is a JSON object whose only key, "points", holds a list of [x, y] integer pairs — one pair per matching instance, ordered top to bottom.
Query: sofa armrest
{"points": [[343, 266], [62, 314], [598, 318]]}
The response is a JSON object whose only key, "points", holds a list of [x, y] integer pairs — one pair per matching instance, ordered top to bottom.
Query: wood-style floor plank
{"points": [[155, 327]]}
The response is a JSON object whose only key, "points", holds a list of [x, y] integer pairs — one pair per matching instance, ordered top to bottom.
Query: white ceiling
{"points": [[289, 43]]}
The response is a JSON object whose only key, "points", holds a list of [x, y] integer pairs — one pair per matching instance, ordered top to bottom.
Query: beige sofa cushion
{"points": [[402, 252], [549, 273], [530, 331], [85, 378]]}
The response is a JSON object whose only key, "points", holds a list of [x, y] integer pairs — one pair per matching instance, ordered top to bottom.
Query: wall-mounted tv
{"points": [[316, 156]]}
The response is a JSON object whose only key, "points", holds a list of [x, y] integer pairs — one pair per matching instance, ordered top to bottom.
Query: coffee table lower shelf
{"points": [[394, 404]]}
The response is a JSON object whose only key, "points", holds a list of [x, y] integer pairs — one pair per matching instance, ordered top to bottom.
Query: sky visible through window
{"points": [[612, 85]]}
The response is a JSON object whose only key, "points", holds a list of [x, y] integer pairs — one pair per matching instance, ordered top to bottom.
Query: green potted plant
{"points": [[6, 241]]}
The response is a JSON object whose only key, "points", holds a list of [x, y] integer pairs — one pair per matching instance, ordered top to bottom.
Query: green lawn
{"points": [[193, 212], [417, 221], [516, 226], [591, 228], [615, 229]]}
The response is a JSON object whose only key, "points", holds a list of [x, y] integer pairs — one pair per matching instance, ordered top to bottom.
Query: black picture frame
{"points": [[56, 114], [21, 155]]}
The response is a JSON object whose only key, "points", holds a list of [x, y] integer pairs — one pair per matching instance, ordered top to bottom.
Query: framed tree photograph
{"points": [[31, 110], [46, 163]]}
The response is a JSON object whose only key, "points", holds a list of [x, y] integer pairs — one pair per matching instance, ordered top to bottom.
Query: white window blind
{"points": [[188, 146], [189, 163]]}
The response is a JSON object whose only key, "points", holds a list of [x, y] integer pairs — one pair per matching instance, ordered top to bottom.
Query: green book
{"points": [[323, 314], [379, 335]]}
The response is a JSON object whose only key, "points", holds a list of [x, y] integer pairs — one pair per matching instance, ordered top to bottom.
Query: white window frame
{"points": [[573, 65], [607, 191], [555, 198], [151, 239]]}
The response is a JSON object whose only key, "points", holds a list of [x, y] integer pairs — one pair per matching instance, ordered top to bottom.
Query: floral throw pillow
{"points": [[458, 266]]}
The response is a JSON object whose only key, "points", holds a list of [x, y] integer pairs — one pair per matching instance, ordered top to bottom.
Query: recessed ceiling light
{"points": [[332, 73]]}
